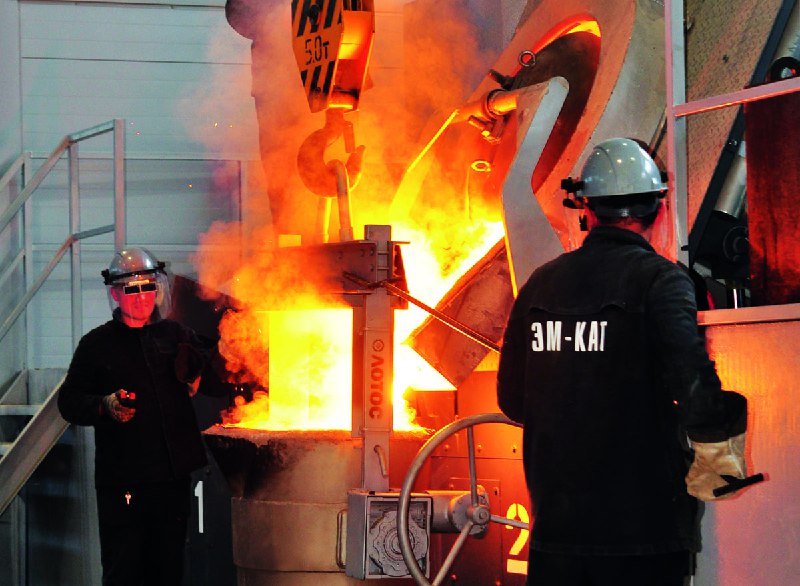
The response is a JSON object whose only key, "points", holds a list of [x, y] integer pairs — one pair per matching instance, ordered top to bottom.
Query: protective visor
{"points": [[131, 284], [136, 287]]}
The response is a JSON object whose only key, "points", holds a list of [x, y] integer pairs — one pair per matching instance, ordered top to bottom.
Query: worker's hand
{"points": [[193, 386], [116, 410], [712, 461]]}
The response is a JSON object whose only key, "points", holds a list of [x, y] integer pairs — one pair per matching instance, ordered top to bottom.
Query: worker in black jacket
{"points": [[603, 364], [132, 378]]}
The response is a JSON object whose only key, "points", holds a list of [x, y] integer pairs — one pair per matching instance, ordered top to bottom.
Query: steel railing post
{"points": [[675, 68], [120, 235], [27, 238], [75, 259]]}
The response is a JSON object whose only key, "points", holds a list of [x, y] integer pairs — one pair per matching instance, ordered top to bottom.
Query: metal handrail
{"points": [[678, 109], [68, 143], [11, 171], [43, 171], [30, 187], [71, 239], [12, 266], [46, 426]]}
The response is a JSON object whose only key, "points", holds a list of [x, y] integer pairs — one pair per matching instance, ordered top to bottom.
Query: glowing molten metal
{"points": [[304, 355], [299, 359]]}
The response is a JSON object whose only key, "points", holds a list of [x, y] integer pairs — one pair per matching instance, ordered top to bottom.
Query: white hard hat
{"points": [[619, 166], [615, 168]]}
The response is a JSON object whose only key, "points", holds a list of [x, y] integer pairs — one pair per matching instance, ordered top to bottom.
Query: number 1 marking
{"points": [[198, 492]]}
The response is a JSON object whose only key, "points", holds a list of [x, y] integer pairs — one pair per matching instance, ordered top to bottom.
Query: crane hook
{"points": [[318, 175]]}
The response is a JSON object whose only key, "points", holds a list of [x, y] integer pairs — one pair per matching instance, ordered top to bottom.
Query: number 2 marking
{"points": [[517, 511]]}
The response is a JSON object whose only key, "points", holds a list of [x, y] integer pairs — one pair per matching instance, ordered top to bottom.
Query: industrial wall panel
{"points": [[167, 3], [128, 33], [724, 41], [179, 77], [172, 110], [10, 117], [168, 202], [13, 345], [753, 538]]}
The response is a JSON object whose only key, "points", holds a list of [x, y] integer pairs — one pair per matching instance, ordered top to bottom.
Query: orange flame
{"points": [[301, 356], [299, 359]]}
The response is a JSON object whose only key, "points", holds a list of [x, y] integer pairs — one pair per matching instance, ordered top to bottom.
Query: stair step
{"points": [[28, 410], [20, 459]]}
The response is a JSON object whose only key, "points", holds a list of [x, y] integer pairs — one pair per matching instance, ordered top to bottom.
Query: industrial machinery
{"points": [[332, 44], [570, 77], [469, 514]]}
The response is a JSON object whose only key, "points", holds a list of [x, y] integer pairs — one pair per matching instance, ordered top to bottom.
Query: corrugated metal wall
{"points": [[86, 63], [161, 69], [10, 148]]}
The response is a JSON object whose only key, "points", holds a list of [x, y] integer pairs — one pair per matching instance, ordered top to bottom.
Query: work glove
{"points": [[116, 410], [711, 462]]}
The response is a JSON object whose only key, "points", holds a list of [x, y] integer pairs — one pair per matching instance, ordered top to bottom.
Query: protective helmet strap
{"points": [[108, 279]]}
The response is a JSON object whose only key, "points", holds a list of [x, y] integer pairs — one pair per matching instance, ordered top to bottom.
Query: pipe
{"points": [[790, 42], [501, 102], [490, 106], [732, 194], [343, 201], [323, 219], [445, 319]]}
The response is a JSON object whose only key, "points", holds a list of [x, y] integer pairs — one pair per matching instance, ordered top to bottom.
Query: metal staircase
{"points": [[30, 424], [20, 455]]}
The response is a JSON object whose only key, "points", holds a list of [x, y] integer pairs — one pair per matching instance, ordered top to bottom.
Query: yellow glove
{"points": [[711, 462]]}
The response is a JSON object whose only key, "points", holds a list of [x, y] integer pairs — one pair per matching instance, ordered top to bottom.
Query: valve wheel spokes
{"points": [[473, 475], [478, 514], [506, 521], [451, 555]]}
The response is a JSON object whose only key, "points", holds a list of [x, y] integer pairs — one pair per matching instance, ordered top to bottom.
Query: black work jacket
{"points": [[603, 364], [162, 442]]}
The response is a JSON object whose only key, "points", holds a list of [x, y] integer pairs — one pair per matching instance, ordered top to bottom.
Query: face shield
{"points": [[136, 272]]}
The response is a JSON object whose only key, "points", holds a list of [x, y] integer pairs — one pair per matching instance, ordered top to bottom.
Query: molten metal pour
{"points": [[279, 478]]}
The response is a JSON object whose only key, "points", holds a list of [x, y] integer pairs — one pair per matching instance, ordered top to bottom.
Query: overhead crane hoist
{"points": [[332, 43]]}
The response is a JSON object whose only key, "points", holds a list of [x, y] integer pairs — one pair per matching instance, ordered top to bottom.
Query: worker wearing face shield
{"points": [[603, 364], [132, 378]]}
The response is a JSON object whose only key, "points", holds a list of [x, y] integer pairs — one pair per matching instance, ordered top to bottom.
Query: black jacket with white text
{"points": [[603, 363]]}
